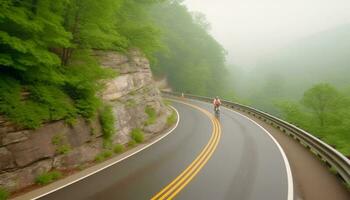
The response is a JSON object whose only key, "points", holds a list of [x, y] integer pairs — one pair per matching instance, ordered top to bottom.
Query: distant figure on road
{"points": [[217, 104]]}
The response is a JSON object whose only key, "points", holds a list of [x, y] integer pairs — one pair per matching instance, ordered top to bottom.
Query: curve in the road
{"points": [[285, 159], [246, 164], [246, 175], [180, 182]]}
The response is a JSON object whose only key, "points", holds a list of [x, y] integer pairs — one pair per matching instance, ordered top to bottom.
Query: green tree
{"points": [[135, 24], [92, 25], [29, 30], [41, 78], [321, 99], [293, 113], [329, 116]]}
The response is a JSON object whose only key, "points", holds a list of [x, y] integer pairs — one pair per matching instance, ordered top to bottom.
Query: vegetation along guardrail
{"points": [[336, 161]]}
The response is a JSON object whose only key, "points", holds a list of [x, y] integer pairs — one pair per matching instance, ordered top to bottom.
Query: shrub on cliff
{"points": [[82, 82], [29, 104], [34, 104], [152, 115], [171, 119], [107, 122], [137, 135], [131, 143], [61, 144], [118, 148], [103, 156], [48, 177], [4, 194]]}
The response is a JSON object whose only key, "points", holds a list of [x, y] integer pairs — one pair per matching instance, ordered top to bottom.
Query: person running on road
{"points": [[216, 103]]}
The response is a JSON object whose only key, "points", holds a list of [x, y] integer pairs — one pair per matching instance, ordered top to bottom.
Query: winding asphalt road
{"points": [[243, 163]]}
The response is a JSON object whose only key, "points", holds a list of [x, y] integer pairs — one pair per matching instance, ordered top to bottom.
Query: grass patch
{"points": [[132, 93], [167, 102], [131, 103], [152, 115], [172, 119], [71, 120], [107, 122], [93, 131], [137, 135], [338, 139], [59, 141], [132, 143], [108, 144], [118, 148], [63, 149], [103, 156], [81, 167], [333, 170], [48, 177], [347, 185], [4, 194]]}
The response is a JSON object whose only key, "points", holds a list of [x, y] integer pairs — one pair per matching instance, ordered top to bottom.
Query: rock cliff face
{"points": [[131, 92], [25, 154]]}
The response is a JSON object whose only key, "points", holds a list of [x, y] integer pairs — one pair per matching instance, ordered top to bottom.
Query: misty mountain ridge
{"points": [[323, 57], [290, 71]]}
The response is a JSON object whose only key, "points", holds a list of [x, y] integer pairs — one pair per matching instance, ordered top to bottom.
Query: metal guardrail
{"points": [[333, 159]]}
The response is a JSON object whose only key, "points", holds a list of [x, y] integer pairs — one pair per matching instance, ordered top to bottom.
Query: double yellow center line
{"points": [[178, 184]]}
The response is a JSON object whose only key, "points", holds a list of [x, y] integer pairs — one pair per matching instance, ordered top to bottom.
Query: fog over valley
{"points": [[250, 29]]}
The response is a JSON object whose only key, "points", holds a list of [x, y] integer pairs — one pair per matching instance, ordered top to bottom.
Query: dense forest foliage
{"points": [[193, 61], [46, 68], [306, 83], [323, 111]]}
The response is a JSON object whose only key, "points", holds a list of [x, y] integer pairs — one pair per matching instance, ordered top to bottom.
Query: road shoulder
{"points": [[312, 179]]}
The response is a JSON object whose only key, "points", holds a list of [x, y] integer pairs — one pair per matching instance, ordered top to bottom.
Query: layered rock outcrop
{"points": [[131, 92], [25, 154]]}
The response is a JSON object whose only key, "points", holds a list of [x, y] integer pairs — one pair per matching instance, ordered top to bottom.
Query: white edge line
{"points": [[285, 159], [92, 173]]}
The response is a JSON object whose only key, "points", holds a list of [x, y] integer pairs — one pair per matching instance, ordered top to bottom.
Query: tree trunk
{"points": [[34, 6], [74, 29]]}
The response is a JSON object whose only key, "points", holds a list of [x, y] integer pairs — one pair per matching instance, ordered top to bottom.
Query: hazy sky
{"points": [[249, 29]]}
